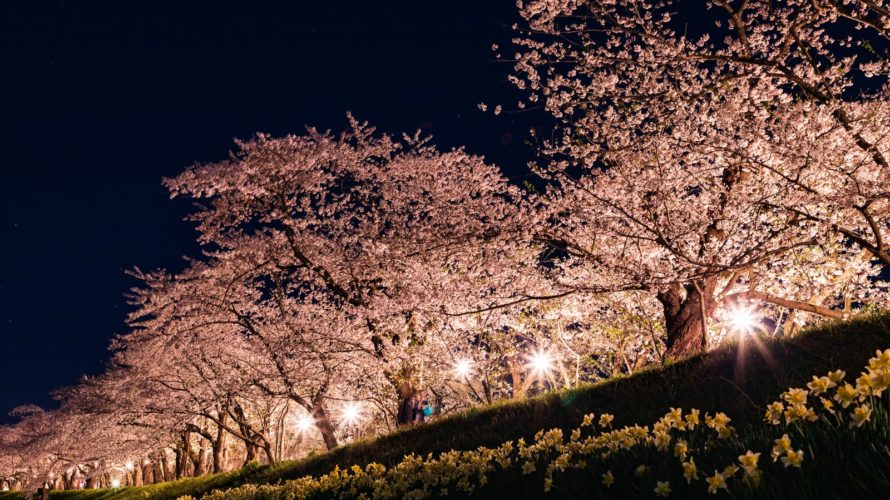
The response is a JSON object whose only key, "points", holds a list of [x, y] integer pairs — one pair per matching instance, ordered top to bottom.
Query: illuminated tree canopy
{"points": [[700, 186]]}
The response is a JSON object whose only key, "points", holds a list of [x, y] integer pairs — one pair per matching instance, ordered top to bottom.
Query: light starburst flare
{"points": [[743, 320], [540, 362], [463, 368], [352, 413], [305, 423]]}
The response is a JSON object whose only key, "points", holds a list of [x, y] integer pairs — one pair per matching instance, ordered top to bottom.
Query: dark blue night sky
{"points": [[101, 101]]}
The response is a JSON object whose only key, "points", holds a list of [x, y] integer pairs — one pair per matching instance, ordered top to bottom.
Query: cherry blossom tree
{"points": [[686, 160], [695, 174], [350, 224], [202, 378]]}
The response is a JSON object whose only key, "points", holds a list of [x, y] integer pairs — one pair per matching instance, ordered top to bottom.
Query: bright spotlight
{"points": [[743, 320], [540, 362], [463, 368], [352, 412], [305, 423], [129, 465], [115, 483]]}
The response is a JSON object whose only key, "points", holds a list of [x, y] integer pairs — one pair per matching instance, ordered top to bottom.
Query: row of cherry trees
{"points": [[696, 173]]}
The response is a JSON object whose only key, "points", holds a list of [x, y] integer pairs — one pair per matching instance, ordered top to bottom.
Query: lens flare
{"points": [[743, 320], [540, 362], [463, 368], [352, 413], [305, 423], [115, 483]]}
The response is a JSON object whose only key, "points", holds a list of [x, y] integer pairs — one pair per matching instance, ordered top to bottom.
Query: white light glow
{"points": [[743, 320], [540, 362], [463, 368], [352, 412], [305, 423], [129, 466], [115, 483]]}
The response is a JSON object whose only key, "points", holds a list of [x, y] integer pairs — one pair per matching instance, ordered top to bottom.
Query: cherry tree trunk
{"points": [[686, 312], [516, 372], [404, 381], [407, 402], [324, 426], [248, 439], [219, 446], [267, 449], [251, 452], [181, 453], [177, 460], [199, 462], [161, 469], [148, 473], [67, 480]]}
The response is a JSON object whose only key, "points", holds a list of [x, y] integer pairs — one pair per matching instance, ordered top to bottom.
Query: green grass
{"points": [[737, 379]]}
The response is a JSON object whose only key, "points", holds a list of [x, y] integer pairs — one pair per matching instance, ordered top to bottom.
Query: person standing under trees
{"points": [[417, 409], [418, 413], [418, 416]]}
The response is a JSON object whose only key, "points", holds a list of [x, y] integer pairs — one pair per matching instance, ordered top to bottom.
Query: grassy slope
{"points": [[736, 379]]}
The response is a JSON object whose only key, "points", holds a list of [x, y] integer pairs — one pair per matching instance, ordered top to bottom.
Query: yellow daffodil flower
{"points": [[881, 361], [837, 376], [878, 381], [820, 385], [863, 386], [846, 394], [795, 396], [774, 413], [861, 414], [692, 419], [662, 440], [781, 446], [681, 448], [793, 458], [749, 461], [690, 471], [716, 482], [662, 488]]}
